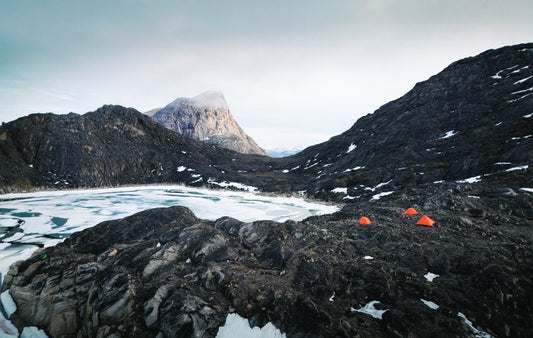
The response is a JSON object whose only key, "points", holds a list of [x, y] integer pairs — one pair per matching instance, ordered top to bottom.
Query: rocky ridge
{"points": [[206, 117], [475, 118]]}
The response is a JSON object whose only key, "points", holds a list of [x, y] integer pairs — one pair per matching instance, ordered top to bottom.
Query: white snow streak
{"points": [[523, 80], [351, 148], [523, 167], [474, 179], [381, 194], [477, 333]]}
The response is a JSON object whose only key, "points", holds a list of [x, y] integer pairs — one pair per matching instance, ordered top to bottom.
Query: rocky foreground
{"points": [[166, 273]]}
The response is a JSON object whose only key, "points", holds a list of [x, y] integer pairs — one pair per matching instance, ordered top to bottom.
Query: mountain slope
{"points": [[206, 117], [474, 118], [112, 146]]}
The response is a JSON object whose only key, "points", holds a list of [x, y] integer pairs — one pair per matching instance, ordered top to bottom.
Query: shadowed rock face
{"points": [[207, 118], [474, 119], [114, 146], [165, 273]]}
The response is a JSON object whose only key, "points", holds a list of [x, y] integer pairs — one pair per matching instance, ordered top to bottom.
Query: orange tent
{"points": [[410, 211], [364, 220], [425, 221]]}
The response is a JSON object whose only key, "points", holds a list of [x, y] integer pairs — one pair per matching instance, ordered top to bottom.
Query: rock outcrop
{"points": [[206, 117], [165, 273]]}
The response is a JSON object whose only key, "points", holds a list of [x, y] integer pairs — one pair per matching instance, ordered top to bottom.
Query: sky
{"points": [[294, 73]]}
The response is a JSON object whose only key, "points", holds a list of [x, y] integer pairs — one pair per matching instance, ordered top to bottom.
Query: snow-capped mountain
{"points": [[206, 117], [283, 152]]}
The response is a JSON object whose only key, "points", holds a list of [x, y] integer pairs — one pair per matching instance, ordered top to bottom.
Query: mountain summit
{"points": [[206, 117]]}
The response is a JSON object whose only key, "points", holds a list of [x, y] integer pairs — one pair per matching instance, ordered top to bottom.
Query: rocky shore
{"points": [[165, 273]]}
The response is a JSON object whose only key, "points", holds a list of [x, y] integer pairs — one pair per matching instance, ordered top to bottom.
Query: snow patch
{"points": [[497, 75], [523, 80], [522, 91], [520, 98], [528, 115], [448, 134], [351, 148], [523, 167], [181, 168], [353, 169], [285, 171], [474, 179], [236, 185], [527, 189], [340, 190], [381, 194], [368, 257], [430, 276], [332, 297], [8, 303], [430, 304], [370, 309], [236, 326], [32, 332], [477, 333]]}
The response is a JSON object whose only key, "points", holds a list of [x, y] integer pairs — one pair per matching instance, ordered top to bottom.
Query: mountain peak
{"points": [[208, 99], [206, 117]]}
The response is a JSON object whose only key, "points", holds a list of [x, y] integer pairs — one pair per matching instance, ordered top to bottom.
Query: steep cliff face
{"points": [[207, 118]]}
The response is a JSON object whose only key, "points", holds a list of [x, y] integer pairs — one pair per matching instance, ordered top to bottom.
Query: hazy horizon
{"points": [[293, 73]]}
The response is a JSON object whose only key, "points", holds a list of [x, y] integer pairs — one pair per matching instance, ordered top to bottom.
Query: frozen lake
{"points": [[30, 220]]}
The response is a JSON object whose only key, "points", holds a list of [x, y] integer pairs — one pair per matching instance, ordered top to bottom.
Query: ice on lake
{"points": [[30, 220]]}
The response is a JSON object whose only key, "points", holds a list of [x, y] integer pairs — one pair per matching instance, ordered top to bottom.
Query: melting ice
{"points": [[30, 220]]}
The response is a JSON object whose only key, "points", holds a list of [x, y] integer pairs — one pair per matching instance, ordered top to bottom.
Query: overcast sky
{"points": [[294, 73]]}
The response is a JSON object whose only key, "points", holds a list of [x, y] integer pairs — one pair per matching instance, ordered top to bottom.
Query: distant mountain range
{"points": [[206, 117], [457, 147], [283, 152]]}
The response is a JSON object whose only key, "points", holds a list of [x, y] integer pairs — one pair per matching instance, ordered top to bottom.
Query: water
{"points": [[40, 219]]}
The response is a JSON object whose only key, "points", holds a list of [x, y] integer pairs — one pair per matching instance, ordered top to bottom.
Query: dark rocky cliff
{"points": [[474, 118]]}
